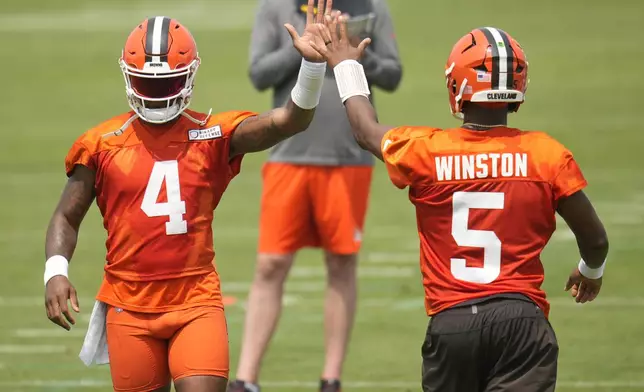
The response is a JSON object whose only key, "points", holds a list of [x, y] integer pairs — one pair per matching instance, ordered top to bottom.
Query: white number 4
{"points": [[462, 203], [174, 208]]}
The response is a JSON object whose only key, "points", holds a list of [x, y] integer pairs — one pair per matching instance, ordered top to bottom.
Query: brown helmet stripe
{"points": [[157, 39], [502, 58]]}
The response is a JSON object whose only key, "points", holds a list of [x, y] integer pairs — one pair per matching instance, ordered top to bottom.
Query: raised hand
{"points": [[314, 32], [338, 48]]}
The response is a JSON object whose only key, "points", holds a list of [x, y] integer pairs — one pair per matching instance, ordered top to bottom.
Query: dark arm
{"points": [[381, 60], [270, 64], [364, 125], [262, 132], [76, 199], [580, 215]]}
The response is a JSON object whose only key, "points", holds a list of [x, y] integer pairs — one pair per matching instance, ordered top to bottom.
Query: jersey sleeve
{"points": [[229, 124], [80, 154], [406, 156], [568, 177]]}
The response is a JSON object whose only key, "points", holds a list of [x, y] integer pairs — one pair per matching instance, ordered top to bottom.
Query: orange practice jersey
{"points": [[157, 189], [485, 206]]}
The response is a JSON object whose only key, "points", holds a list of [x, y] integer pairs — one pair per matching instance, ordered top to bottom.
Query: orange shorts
{"points": [[313, 206], [147, 350]]}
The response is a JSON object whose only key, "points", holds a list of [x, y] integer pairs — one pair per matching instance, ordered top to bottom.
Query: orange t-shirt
{"points": [[157, 188], [485, 206]]}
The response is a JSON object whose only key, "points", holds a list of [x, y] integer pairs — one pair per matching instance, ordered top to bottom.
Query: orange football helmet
{"points": [[159, 64], [486, 65]]}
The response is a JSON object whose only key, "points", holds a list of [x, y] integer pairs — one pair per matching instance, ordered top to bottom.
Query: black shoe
{"points": [[242, 386], [330, 386]]}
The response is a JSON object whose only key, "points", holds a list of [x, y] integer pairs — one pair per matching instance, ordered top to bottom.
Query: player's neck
{"points": [[481, 118], [160, 127]]}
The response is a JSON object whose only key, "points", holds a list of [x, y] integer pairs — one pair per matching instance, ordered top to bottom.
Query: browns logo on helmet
{"points": [[159, 64], [489, 67]]}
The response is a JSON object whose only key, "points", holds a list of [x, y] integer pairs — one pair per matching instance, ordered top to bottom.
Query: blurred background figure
{"points": [[315, 186]]}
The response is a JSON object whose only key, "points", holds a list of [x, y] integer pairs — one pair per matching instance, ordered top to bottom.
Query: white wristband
{"points": [[351, 80], [306, 93], [55, 265], [591, 273]]}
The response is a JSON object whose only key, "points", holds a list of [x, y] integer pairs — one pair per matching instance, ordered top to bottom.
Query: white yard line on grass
{"points": [[197, 15], [409, 258], [363, 272], [18, 302], [34, 333], [31, 349], [94, 383]]}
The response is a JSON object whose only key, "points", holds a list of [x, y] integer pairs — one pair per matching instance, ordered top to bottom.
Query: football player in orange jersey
{"points": [[157, 173], [486, 196]]}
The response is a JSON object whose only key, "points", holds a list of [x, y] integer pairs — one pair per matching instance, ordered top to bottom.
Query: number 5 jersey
{"points": [[157, 188], [485, 206]]}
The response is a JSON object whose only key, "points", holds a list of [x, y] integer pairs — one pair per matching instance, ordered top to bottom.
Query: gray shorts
{"points": [[497, 345]]}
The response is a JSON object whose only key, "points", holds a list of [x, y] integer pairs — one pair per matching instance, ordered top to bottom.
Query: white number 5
{"points": [[462, 203], [174, 208]]}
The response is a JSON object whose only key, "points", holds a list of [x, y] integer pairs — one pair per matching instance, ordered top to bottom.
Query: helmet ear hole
{"points": [[454, 86]]}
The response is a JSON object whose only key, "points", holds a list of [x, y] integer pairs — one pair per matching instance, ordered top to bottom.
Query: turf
{"points": [[59, 61]]}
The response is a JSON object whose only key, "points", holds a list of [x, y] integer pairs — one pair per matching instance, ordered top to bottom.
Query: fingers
{"points": [[329, 8], [310, 10], [320, 15], [332, 25], [343, 28], [292, 32], [325, 34], [363, 46], [569, 284], [574, 290], [588, 291], [584, 292], [74, 300], [48, 308], [64, 311], [68, 315], [56, 316]]}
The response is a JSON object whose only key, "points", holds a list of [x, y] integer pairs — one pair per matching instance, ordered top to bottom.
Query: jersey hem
{"points": [[297, 162], [155, 278], [539, 301], [159, 309]]}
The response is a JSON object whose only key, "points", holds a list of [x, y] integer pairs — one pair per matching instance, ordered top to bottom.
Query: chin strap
{"points": [[135, 116], [201, 123], [122, 128]]}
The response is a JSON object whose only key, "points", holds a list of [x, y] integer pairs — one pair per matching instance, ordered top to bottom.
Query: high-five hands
{"points": [[315, 32], [333, 44]]}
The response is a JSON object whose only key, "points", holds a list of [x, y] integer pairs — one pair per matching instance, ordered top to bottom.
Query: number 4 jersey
{"points": [[157, 188], [485, 206]]}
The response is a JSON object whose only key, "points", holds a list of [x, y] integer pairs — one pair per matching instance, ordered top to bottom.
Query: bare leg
{"points": [[264, 309], [339, 312]]}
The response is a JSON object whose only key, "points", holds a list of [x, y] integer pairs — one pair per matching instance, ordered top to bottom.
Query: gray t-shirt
{"points": [[275, 64]]}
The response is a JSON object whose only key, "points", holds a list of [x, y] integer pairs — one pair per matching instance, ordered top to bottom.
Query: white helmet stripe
{"points": [[156, 39], [503, 57]]}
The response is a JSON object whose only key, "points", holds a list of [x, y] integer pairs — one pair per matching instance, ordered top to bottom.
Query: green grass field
{"points": [[59, 61]]}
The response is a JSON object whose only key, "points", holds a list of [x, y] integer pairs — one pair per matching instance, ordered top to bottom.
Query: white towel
{"points": [[94, 350]]}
